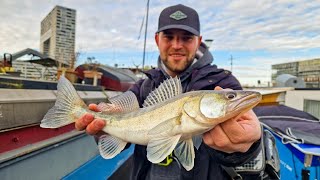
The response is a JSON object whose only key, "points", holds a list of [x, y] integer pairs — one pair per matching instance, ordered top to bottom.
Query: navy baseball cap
{"points": [[179, 17]]}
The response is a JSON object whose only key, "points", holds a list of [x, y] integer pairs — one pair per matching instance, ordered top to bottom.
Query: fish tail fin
{"points": [[61, 113]]}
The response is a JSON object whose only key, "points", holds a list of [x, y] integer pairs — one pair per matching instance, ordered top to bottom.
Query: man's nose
{"points": [[176, 43]]}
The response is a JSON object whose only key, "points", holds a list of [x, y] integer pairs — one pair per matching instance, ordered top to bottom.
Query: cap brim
{"points": [[179, 26]]}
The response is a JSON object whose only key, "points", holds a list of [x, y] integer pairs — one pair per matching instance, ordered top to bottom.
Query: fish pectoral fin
{"points": [[165, 126], [197, 140], [110, 146], [160, 147], [185, 154]]}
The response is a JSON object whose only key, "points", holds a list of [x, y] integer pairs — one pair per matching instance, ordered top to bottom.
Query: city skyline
{"points": [[256, 34]]}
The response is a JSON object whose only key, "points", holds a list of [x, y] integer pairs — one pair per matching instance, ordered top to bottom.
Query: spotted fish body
{"points": [[169, 120]]}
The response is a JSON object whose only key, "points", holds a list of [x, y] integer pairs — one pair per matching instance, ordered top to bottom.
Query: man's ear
{"points": [[156, 37], [199, 41]]}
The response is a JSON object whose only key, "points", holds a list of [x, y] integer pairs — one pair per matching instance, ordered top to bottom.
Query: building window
{"points": [[312, 107]]}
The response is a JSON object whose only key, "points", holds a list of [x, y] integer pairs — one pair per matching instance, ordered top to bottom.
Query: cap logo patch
{"points": [[178, 15]]}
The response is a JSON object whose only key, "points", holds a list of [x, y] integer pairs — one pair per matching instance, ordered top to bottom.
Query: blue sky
{"points": [[256, 34]]}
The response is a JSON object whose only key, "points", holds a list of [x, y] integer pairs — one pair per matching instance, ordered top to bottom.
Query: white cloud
{"points": [[240, 24], [269, 25], [114, 26]]}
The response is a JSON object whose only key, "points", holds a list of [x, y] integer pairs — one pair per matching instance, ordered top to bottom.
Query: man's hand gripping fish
{"points": [[169, 120]]}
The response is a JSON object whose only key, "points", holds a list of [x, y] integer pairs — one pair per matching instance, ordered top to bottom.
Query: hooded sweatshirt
{"points": [[201, 75]]}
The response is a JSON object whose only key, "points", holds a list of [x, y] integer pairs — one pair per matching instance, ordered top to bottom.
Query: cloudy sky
{"points": [[255, 33]]}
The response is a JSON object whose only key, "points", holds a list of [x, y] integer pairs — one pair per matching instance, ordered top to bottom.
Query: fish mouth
{"points": [[245, 103]]}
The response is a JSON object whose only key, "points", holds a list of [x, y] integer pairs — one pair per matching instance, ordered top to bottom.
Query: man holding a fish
{"points": [[182, 54]]}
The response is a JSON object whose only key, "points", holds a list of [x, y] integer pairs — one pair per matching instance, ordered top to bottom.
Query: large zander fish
{"points": [[169, 120]]}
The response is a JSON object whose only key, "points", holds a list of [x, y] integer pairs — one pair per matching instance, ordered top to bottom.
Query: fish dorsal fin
{"points": [[167, 89], [125, 102], [184, 151]]}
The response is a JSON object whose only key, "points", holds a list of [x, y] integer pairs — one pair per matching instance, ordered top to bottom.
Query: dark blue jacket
{"points": [[201, 76]]}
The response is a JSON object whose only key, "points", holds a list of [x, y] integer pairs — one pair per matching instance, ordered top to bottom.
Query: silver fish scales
{"points": [[170, 121]]}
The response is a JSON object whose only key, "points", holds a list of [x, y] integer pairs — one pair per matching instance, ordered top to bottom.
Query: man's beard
{"points": [[173, 68]]}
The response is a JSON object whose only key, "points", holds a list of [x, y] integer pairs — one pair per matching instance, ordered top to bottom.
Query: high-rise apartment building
{"points": [[58, 35]]}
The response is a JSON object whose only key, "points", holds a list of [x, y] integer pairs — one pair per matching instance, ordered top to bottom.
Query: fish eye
{"points": [[231, 95]]}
